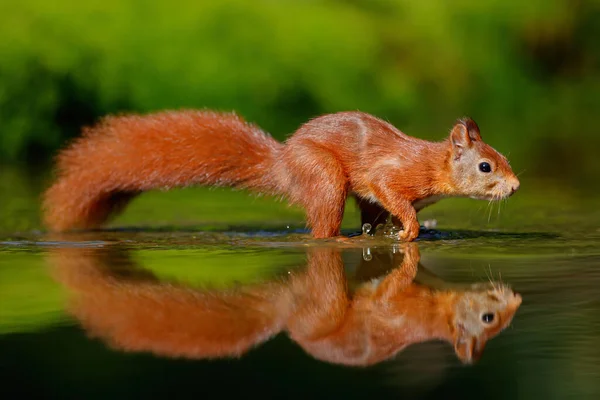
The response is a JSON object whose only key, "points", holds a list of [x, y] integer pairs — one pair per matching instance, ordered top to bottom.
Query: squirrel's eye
{"points": [[485, 167], [487, 318]]}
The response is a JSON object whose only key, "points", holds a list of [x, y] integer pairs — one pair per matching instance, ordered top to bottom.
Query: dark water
{"points": [[164, 306]]}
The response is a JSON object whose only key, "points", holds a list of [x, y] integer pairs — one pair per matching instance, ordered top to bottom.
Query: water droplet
{"points": [[366, 228]]}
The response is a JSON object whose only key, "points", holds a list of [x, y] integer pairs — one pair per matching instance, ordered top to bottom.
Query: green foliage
{"points": [[528, 73]]}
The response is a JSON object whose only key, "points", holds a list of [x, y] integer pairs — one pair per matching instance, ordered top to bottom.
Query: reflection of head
{"points": [[133, 311], [475, 312], [479, 316]]}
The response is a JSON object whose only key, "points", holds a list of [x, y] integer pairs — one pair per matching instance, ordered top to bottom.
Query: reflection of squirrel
{"points": [[323, 162], [135, 312]]}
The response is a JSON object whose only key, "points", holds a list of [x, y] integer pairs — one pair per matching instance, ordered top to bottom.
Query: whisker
{"points": [[494, 199], [487, 207], [499, 207], [492, 277], [500, 278]]}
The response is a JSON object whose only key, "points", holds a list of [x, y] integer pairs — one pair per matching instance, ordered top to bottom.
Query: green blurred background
{"points": [[527, 72]]}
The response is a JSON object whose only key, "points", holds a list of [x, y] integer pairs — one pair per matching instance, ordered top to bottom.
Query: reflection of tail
{"points": [[123, 156], [146, 315]]}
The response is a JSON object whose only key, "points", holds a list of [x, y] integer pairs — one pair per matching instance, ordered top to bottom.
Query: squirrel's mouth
{"points": [[494, 196], [489, 197]]}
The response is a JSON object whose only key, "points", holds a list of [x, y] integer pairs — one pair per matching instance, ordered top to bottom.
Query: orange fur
{"points": [[319, 166], [133, 311]]}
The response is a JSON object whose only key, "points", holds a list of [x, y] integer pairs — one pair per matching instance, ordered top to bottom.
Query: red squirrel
{"points": [[326, 160], [131, 310]]}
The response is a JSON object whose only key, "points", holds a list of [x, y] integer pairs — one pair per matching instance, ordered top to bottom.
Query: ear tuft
{"points": [[472, 128], [464, 132], [468, 349]]}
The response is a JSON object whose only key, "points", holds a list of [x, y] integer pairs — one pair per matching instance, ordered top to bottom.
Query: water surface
{"points": [[218, 241]]}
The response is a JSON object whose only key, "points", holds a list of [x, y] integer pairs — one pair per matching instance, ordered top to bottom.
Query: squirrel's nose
{"points": [[515, 186], [517, 299]]}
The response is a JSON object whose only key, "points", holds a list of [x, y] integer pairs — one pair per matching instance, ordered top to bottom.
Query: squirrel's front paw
{"points": [[410, 231]]}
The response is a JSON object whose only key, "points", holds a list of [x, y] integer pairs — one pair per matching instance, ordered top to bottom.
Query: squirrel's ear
{"points": [[464, 132], [468, 348]]}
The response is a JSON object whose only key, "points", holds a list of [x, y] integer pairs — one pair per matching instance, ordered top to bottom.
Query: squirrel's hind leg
{"points": [[319, 185]]}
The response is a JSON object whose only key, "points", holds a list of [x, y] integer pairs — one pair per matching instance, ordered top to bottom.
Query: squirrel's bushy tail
{"points": [[123, 156]]}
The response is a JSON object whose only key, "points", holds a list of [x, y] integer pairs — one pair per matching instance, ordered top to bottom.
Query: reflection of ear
{"points": [[464, 132], [468, 348]]}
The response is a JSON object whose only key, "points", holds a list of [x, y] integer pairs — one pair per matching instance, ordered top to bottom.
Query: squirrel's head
{"points": [[477, 170], [479, 315]]}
